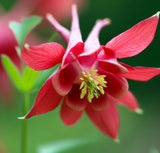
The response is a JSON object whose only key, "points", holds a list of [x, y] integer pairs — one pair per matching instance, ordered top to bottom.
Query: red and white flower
{"points": [[90, 78]]}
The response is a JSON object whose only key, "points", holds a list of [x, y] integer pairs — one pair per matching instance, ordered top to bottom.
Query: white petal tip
{"points": [[74, 6], [158, 13], [49, 16], [107, 21], [104, 22], [26, 46], [139, 111], [21, 118], [117, 140]]}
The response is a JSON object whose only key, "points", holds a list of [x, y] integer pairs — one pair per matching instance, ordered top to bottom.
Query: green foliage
{"points": [[7, 4], [21, 30], [53, 36], [12, 72], [43, 76], [29, 77], [30, 80], [22, 82], [63, 145], [153, 150]]}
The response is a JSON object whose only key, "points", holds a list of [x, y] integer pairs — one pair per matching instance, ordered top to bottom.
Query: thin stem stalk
{"points": [[24, 123]]}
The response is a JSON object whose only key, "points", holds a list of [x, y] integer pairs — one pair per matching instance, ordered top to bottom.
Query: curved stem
{"points": [[24, 124]]}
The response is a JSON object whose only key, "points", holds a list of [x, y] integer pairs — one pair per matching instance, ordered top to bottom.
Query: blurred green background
{"points": [[138, 133]]}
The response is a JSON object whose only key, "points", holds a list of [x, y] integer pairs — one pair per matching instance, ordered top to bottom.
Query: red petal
{"points": [[63, 31], [134, 40], [77, 49], [73, 53], [106, 54], [43, 56], [87, 61], [107, 62], [113, 67], [128, 67], [142, 73], [65, 78], [117, 86], [73, 99], [47, 100], [129, 101], [100, 102], [68, 115], [107, 120]]}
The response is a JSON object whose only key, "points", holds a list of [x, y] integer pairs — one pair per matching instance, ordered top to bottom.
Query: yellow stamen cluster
{"points": [[92, 84]]}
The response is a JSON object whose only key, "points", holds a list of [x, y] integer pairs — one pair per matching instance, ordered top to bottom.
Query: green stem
{"points": [[24, 124]]}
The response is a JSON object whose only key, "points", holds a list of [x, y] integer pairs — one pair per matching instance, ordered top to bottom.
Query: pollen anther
{"points": [[92, 85]]}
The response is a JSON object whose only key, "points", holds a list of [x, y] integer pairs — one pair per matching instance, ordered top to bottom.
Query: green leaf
{"points": [[7, 4], [21, 30], [54, 35], [18, 50], [12, 72], [43, 76], [29, 78], [64, 145], [153, 150]]}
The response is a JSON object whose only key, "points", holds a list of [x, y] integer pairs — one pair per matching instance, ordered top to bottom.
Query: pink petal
{"points": [[65, 33], [75, 35], [136, 39], [92, 43], [77, 49], [73, 53], [106, 54], [43, 56], [87, 61], [107, 62], [113, 67], [128, 67], [142, 73], [64, 78], [117, 86], [47, 99], [73, 99], [129, 101], [100, 103], [68, 115], [106, 120]]}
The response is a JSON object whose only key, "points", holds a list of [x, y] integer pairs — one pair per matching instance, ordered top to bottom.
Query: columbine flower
{"points": [[60, 9], [7, 47], [90, 78]]}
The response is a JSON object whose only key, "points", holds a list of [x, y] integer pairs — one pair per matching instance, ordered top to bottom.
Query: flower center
{"points": [[92, 84]]}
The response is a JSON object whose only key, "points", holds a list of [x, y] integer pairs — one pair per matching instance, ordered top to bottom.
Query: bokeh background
{"points": [[138, 133]]}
